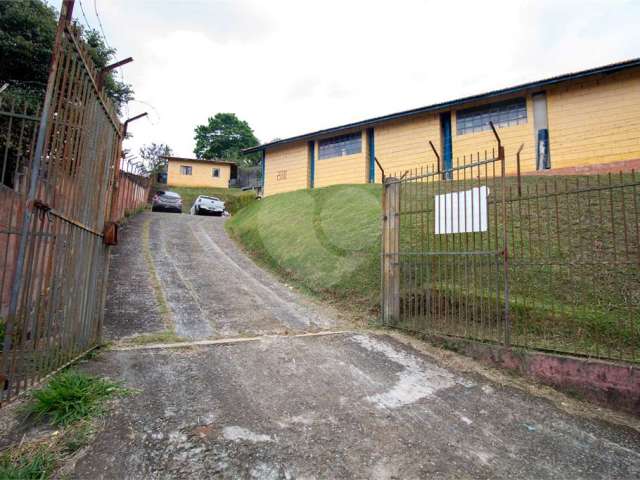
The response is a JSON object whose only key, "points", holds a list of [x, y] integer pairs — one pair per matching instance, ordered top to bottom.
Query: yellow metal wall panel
{"points": [[595, 121], [590, 122], [404, 144], [286, 168], [344, 169], [202, 175]]}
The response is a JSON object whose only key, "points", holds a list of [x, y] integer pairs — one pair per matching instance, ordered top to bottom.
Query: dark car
{"points": [[166, 202], [208, 206]]}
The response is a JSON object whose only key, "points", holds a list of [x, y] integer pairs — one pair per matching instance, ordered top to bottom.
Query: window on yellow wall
{"points": [[502, 114], [338, 146], [186, 170], [215, 172]]}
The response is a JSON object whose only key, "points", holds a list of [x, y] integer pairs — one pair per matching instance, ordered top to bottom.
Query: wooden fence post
{"points": [[390, 252]]}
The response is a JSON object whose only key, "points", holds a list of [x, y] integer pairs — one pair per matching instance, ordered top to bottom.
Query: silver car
{"points": [[166, 202], [207, 206]]}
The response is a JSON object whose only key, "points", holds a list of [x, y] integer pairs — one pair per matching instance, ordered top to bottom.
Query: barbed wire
{"points": [[95, 9], [86, 22]]}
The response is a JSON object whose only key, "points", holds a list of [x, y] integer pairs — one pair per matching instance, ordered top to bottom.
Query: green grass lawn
{"points": [[234, 198], [326, 241], [574, 276]]}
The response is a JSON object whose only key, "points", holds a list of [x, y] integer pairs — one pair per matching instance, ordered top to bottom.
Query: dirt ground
{"points": [[342, 404]]}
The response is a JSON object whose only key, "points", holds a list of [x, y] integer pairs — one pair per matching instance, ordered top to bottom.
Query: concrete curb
{"points": [[223, 341], [610, 384]]}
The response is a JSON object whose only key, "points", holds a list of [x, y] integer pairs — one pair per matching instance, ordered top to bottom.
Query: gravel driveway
{"points": [[212, 289], [293, 404]]}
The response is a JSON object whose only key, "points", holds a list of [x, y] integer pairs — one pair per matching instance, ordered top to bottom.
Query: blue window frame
{"points": [[502, 114], [339, 146], [447, 146], [372, 155]]}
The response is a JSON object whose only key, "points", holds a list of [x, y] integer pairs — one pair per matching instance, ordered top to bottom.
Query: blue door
{"points": [[447, 147], [312, 162]]}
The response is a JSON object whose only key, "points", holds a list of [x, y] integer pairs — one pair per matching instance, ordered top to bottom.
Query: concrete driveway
{"points": [[211, 288], [299, 403]]}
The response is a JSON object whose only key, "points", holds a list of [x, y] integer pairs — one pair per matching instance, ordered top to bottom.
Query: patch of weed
{"points": [[163, 307], [165, 336], [94, 353], [71, 396], [77, 436], [21, 463]]}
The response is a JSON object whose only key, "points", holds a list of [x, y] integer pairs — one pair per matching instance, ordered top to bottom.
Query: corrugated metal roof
{"points": [[603, 70], [207, 160]]}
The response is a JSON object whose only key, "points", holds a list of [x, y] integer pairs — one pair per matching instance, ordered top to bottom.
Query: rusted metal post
{"points": [[65, 17], [103, 72], [436, 153], [380, 167], [518, 170], [116, 173], [505, 237], [391, 252]]}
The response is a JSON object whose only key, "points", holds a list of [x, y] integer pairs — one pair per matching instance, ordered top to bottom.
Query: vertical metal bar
{"points": [[65, 13], [8, 142], [518, 170], [505, 240]]}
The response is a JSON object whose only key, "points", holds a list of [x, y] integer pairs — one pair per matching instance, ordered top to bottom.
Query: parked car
{"points": [[166, 202], [205, 205]]}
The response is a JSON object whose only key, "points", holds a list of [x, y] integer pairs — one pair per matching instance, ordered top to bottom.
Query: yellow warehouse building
{"points": [[566, 124], [194, 172]]}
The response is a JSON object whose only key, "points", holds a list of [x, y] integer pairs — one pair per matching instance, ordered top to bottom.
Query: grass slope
{"points": [[234, 198], [326, 241], [568, 291]]}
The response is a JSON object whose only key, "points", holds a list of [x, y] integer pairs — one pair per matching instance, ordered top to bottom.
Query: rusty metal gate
{"points": [[52, 255], [544, 261], [444, 267]]}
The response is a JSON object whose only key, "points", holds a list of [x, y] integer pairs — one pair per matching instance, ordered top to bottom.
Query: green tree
{"points": [[27, 34], [118, 91], [224, 137], [153, 154]]}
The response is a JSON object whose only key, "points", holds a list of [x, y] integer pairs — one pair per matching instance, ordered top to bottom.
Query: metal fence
{"points": [[247, 177], [58, 178], [132, 194], [543, 262]]}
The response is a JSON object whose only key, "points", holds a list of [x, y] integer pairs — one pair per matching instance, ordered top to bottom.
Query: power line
{"points": [[95, 8], [84, 16], [106, 41], [155, 110]]}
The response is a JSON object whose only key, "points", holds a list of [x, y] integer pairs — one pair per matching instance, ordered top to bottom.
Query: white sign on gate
{"points": [[462, 212]]}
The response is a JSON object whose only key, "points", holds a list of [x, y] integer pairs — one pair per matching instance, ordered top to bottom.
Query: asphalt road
{"points": [[352, 404]]}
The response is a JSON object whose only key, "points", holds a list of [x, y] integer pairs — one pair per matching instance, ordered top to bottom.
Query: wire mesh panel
{"points": [[19, 117], [53, 252], [450, 255], [545, 262], [575, 264]]}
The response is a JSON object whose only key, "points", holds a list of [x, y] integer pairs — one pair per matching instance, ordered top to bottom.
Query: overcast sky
{"points": [[289, 67]]}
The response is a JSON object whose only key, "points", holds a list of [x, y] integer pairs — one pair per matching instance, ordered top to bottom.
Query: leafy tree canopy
{"points": [[27, 34], [118, 91], [225, 136], [152, 155]]}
